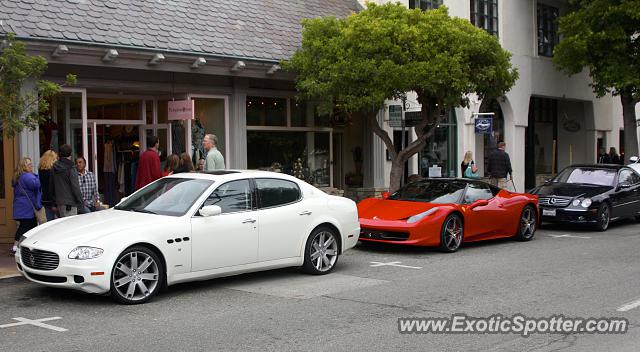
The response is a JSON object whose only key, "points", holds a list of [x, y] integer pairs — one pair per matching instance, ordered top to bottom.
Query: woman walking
{"points": [[469, 165], [45, 173], [26, 199]]}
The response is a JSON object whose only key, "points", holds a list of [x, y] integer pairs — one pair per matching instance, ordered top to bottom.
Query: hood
{"points": [[63, 165], [571, 190], [394, 209], [82, 229]]}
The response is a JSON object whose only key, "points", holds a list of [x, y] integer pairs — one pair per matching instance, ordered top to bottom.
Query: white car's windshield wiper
{"points": [[144, 211]]}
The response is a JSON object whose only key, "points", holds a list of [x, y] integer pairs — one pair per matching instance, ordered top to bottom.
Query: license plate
{"points": [[548, 212]]}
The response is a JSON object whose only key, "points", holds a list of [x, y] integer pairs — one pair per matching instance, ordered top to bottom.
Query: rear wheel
{"points": [[604, 217], [528, 224], [451, 234], [321, 251], [137, 276]]}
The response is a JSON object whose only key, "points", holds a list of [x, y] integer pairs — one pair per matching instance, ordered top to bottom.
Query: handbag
{"points": [[468, 173], [41, 214]]}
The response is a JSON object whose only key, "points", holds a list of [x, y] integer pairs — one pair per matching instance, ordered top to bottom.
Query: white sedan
{"points": [[193, 226]]}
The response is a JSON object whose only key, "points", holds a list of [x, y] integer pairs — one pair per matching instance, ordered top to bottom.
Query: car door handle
{"points": [[306, 212], [247, 221]]}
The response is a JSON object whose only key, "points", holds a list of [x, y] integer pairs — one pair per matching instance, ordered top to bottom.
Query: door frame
{"points": [[225, 98]]}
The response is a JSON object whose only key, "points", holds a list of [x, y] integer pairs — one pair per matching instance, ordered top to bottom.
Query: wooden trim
{"points": [[8, 225]]}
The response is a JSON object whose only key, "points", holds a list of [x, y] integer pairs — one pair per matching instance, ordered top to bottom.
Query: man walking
{"points": [[214, 159], [149, 164], [499, 166], [65, 187], [88, 187]]}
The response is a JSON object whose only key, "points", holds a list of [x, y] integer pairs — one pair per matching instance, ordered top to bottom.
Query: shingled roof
{"points": [[264, 30]]}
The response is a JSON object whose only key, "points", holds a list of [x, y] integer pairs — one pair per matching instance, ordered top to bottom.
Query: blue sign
{"points": [[484, 125]]}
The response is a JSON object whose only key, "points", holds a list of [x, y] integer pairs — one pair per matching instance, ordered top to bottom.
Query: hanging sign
{"points": [[181, 110], [395, 115], [483, 125]]}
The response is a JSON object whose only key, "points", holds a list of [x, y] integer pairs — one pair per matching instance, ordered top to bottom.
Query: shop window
{"points": [[424, 4], [484, 14], [547, 29], [114, 109], [263, 111], [544, 113], [210, 119], [491, 140], [441, 149], [304, 155]]}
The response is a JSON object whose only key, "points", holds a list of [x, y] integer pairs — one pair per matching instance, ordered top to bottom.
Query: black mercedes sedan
{"points": [[590, 194]]}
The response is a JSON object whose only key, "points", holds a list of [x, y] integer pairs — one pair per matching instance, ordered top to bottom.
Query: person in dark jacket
{"points": [[614, 158], [499, 167], [45, 173], [65, 187], [26, 199]]}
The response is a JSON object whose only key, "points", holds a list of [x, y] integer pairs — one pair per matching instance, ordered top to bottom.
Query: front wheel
{"points": [[604, 217], [528, 223], [451, 234], [321, 251], [136, 276]]}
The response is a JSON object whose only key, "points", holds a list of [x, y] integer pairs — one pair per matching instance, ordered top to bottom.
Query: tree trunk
{"points": [[630, 134], [397, 171]]}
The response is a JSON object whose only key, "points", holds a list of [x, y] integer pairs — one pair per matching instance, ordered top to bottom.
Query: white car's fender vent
{"points": [[37, 259]]}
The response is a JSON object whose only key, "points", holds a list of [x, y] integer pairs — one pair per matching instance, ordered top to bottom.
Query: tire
{"points": [[604, 217], [637, 218], [527, 225], [452, 234], [321, 251], [138, 263]]}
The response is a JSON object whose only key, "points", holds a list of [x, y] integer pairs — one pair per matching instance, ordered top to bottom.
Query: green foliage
{"points": [[603, 36], [385, 51], [18, 109]]}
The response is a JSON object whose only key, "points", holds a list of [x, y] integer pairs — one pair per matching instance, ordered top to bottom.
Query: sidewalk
{"points": [[7, 263]]}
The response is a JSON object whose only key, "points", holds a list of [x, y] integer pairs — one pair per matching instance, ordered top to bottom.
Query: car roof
{"points": [[601, 166], [233, 174]]}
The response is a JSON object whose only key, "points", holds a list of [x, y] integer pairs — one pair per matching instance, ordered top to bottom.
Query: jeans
{"points": [[86, 210], [51, 214]]}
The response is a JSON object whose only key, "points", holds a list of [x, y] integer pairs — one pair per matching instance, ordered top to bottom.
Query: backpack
{"points": [[468, 173]]}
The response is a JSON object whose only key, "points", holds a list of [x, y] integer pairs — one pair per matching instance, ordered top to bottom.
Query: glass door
{"points": [[163, 132]]}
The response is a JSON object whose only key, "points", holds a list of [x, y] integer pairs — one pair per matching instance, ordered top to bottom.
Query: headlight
{"points": [[576, 202], [586, 203], [419, 217], [82, 253]]}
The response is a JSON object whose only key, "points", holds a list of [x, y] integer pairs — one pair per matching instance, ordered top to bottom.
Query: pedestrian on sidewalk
{"points": [[214, 159], [173, 162], [149, 164], [186, 165], [499, 167], [45, 173], [65, 187], [88, 188], [27, 199]]}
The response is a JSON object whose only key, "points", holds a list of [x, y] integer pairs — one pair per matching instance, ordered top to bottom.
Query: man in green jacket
{"points": [[214, 159]]}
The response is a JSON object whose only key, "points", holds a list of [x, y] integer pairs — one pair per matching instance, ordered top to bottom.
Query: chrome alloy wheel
{"points": [[528, 222], [453, 233], [324, 251], [135, 276]]}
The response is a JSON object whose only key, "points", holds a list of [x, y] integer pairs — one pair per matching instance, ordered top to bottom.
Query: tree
{"points": [[603, 36], [356, 63], [19, 110]]}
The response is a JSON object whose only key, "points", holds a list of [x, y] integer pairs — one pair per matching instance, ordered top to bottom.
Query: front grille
{"points": [[559, 202], [383, 235], [37, 259], [45, 278]]}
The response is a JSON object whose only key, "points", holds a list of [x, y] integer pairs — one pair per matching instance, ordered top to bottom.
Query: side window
{"points": [[626, 177], [635, 178], [477, 191], [273, 192], [232, 196]]}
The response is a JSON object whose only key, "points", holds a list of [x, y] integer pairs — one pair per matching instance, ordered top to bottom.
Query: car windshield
{"points": [[594, 176], [430, 191], [167, 196]]}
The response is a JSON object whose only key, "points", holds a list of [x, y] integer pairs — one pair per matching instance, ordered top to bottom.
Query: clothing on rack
{"points": [[177, 137]]}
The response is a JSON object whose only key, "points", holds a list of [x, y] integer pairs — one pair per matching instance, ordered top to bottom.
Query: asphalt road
{"points": [[357, 307]]}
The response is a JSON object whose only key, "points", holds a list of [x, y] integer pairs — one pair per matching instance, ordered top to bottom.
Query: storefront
{"points": [[441, 150]]}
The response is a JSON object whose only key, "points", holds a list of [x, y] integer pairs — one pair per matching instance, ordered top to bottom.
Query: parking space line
{"points": [[566, 235], [396, 264], [629, 306], [35, 322]]}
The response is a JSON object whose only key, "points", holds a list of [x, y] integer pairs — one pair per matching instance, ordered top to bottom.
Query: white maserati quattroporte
{"points": [[193, 226]]}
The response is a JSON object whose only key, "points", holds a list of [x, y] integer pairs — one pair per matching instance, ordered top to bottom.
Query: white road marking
{"points": [[566, 235], [396, 264], [629, 306], [36, 322]]}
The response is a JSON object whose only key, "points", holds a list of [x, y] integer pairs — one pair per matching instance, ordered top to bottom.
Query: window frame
{"points": [[429, 4], [490, 18], [547, 26], [253, 198], [259, 200]]}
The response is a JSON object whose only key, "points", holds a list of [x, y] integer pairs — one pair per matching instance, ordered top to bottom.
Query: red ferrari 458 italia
{"points": [[446, 213]]}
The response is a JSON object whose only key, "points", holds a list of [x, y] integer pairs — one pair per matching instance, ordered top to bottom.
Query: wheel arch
{"points": [[330, 225], [158, 252]]}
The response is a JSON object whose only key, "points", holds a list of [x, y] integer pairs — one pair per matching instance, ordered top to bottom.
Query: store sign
{"points": [[181, 109], [395, 115], [412, 118], [483, 125]]}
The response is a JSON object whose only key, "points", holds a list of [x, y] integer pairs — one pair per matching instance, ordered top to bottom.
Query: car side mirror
{"points": [[633, 159], [547, 180], [624, 186], [385, 195], [479, 203], [210, 210]]}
